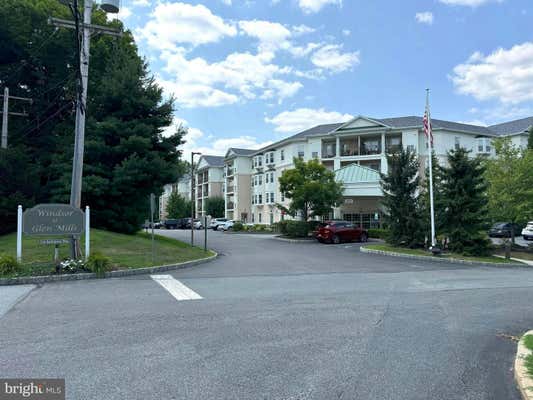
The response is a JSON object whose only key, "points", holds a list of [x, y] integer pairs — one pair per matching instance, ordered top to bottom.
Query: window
{"points": [[393, 143], [457, 143], [484, 145], [411, 148], [301, 151], [315, 154], [282, 155], [269, 158], [260, 179], [272, 197], [260, 199], [259, 215], [253, 218]]}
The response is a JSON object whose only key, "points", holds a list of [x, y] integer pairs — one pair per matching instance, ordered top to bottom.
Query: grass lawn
{"points": [[125, 251], [421, 252], [528, 342]]}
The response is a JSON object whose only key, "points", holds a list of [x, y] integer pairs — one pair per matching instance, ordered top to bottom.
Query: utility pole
{"points": [[81, 101], [6, 113], [193, 200]]}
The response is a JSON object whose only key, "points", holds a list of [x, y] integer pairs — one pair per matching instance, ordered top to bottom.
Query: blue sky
{"points": [[245, 73]]}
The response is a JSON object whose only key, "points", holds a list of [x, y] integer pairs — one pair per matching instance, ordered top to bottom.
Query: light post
{"points": [[193, 200]]}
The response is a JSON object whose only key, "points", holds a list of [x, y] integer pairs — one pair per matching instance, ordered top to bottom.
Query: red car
{"points": [[340, 231]]}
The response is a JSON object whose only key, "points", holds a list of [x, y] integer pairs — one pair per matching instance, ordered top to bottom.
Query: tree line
{"points": [[127, 156]]}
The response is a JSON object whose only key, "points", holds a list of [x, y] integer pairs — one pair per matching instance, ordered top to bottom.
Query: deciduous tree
{"points": [[311, 188]]}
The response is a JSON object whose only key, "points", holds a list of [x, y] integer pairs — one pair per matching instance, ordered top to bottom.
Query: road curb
{"points": [[282, 239], [437, 259], [33, 280], [523, 379]]}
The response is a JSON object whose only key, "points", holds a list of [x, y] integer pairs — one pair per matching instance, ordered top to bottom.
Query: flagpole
{"points": [[430, 156]]}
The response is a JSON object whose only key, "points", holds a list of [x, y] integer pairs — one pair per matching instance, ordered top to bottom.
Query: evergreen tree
{"points": [[530, 138], [401, 200], [465, 202], [178, 206], [215, 207]]}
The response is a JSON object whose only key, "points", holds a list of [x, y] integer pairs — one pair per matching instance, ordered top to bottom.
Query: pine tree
{"points": [[464, 196], [401, 200], [178, 206]]}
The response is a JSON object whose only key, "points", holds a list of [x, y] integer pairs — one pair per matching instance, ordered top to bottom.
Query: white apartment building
{"points": [[356, 151], [183, 187]]}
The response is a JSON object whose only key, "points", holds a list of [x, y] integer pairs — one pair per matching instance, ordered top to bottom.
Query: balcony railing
{"points": [[230, 189], [230, 206]]}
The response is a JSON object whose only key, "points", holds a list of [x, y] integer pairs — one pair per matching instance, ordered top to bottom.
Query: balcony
{"points": [[393, 144], [329, 149], [230, 189], [230, 206]]}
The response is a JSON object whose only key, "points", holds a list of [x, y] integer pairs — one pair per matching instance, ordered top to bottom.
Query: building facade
{"points": [[356, 151], [208, 182]]}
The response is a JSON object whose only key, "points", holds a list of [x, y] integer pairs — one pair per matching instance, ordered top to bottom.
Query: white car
{"points": [[217, 222], [197, 224], [227, 225], [527, 232]]}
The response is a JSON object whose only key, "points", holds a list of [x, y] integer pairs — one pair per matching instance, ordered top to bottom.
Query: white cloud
{"points": [[226, 2], [141, 3], [469, 3], [314, 6], [425, 17], [175, 23], [299, 30], [346, 32], [271, 35], [330, 57], [506, 75], [198, 83], [304, 118], [196, 140]]}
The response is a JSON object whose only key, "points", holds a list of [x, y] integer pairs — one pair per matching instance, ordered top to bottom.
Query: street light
{"points": [[193, 200]]}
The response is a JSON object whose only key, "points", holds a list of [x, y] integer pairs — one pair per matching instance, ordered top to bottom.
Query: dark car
{"points": [[171, 224], [504, 229], [340, 231]]}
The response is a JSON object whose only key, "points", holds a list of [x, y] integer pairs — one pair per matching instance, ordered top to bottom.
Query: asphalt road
{"points": [[276, 321]]}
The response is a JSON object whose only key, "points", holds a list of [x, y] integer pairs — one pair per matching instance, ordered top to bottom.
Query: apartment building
{"points": [[356, 151], [209, 181], [237, 181], [182, 187]]}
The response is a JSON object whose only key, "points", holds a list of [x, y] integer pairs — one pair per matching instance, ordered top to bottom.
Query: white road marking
{"points": [[177, 289]]}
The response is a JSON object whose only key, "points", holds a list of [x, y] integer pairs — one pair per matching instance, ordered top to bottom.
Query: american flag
{"points": [[428, 131]]}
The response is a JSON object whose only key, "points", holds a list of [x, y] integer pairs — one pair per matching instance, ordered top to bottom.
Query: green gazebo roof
{"points": [[355, 173]]}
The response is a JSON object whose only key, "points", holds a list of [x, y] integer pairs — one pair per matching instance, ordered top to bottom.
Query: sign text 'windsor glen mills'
{"points": [[53, 219]]}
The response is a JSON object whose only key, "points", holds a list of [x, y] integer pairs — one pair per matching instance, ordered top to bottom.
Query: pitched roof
{"points": [[413, 121], [516, 126], [315, 130], [241, 152], [214, 161], [355, 173]]}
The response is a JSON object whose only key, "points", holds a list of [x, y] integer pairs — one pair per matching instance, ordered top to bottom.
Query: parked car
{"points": [[216, 222], [197, 223], [171, 224], [227, 225], [504, 229], [340, 231], [527, 232]]}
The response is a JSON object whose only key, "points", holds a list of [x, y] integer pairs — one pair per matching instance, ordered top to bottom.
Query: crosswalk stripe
{"points": [[177, 289]]}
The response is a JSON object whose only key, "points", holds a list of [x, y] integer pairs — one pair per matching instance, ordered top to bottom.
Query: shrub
{"points": [[313, 225], [238, 226], [281, 227], [297, 228], [378, 233], [99, 264], [9, 265]]}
